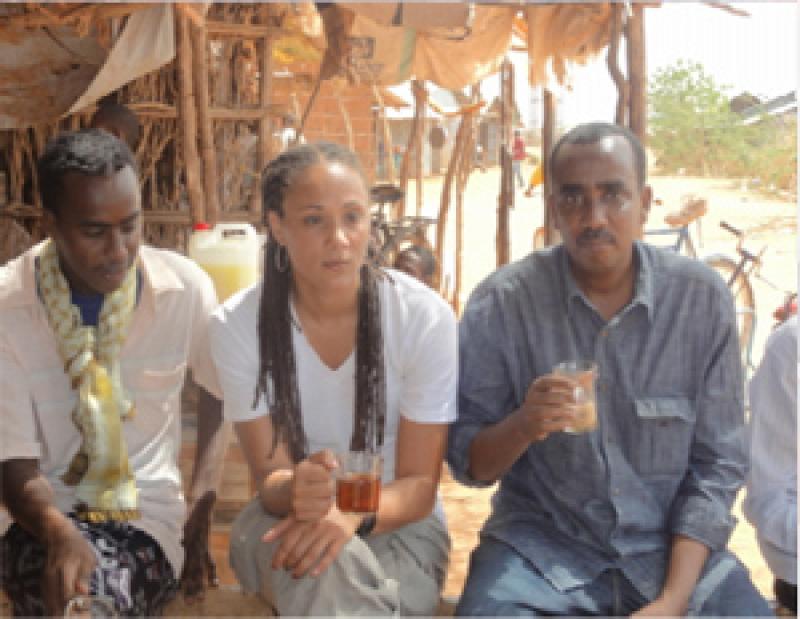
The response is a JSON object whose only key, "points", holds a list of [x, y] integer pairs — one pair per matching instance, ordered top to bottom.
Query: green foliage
{"points": [[692, 128]]}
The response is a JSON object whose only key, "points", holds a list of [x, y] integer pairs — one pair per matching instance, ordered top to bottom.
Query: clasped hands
{"points": [[311, 536]]}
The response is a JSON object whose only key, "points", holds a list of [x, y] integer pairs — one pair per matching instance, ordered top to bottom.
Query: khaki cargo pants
{"points": [[397, 573]]}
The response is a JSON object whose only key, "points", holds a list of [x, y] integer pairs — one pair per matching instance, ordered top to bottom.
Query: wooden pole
{"points": [[612, 60], [637, 72], [421, 96], [310, 104], [188, 120], [266, 122], [348, 126], [413, 135], [548, 141], [388, 144], [208, 156], [465, 168], [452, 170], [506, 198]]}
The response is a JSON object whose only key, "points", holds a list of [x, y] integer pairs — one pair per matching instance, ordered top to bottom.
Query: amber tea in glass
{"points": [[358, 482]]}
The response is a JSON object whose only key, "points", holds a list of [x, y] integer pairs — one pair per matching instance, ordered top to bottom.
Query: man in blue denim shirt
{"points": [[633, 517]]}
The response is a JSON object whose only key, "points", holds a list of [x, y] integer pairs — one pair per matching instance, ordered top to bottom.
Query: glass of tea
{"points": [[583, 374], [358, 481], [90, 606]]}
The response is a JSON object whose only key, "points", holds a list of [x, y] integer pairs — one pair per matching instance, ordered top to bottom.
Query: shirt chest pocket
{"points": [[156, 384], [665, 427]]}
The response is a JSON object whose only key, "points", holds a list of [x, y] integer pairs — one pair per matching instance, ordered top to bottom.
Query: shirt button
{"points": [[604, 333], [616, 491]]}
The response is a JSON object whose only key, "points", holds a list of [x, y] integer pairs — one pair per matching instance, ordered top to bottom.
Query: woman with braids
{"points": [[330, 354]]}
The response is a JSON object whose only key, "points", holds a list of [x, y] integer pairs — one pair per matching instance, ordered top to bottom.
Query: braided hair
{"points": [[277, 374]]}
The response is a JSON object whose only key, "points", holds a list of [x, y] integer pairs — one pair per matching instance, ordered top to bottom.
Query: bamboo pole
{"points": [[637, 75], [188, 120], [208, 156]]}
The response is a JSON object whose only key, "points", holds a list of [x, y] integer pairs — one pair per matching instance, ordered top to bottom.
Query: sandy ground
{"points": [[767, 222]]}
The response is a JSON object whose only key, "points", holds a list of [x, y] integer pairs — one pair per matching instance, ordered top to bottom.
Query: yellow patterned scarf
{"points": [[106, 487]]}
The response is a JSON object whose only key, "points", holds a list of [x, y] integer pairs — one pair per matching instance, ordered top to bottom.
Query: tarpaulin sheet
{"points": [[146, 44], [450, 57], [51, 71], [42, 72]]}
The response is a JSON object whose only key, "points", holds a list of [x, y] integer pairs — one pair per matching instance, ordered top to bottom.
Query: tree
{"points": [[692, 125]]}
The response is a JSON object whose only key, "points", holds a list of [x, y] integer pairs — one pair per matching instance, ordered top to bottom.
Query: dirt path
{"points": [[767, 222]]}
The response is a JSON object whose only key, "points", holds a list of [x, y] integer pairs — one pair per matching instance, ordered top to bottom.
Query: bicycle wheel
{"points": [[744, 302]]}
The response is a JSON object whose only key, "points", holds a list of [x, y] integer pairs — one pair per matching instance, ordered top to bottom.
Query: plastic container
{"points": [[229, 253]]}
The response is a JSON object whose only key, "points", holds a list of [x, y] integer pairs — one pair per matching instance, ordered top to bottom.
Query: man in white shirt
{"points": [[115, 405], [771, 502]]}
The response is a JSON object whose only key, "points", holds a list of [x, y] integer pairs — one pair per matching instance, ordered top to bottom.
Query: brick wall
{"points": [[325, 122]]}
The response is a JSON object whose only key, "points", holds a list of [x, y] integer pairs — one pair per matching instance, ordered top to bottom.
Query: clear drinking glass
{"points": [[584, 374], [358, 481], [90, 606]]}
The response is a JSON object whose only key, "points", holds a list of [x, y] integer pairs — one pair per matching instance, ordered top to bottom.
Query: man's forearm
{"points": [[213, 436], [495, 449], [28, 497], [686, 561]]}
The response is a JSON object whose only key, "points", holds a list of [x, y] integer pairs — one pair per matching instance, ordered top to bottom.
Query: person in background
{"points": [[119, 121], [288, 134], [518, 155], [536, 179], [418, 262], [96, 334], [328, 354], [771, 501], [632, 517]]}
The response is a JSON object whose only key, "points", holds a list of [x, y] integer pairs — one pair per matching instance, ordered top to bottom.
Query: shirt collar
{"points": [[157, 273], [18, 280], [642, 290]]}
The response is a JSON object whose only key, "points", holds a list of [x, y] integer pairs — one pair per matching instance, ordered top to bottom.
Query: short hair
{"points": [[120, 117], [590, 133], [92, 152], [427, 260]]}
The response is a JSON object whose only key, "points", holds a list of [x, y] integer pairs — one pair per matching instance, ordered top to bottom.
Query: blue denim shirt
{"points": [[668, 456]]}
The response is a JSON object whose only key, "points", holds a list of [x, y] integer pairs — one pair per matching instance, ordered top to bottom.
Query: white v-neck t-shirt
{"points": [[420, 357]]}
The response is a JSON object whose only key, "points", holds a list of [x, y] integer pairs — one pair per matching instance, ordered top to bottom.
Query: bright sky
{"points": [[758, 54]]}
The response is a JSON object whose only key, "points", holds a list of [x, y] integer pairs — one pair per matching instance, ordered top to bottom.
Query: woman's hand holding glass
{"points": [[313, 491], [311, 536]]}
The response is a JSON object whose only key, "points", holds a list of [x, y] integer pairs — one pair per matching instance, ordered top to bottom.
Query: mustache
{"points": [[591, 235]]}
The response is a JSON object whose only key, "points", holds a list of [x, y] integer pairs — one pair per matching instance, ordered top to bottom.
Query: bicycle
{"points": [[692, 211], [389, 237], [735, 273]]}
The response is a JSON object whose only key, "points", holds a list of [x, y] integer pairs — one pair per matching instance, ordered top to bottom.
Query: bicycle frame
{"points": [[682, 238]]}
